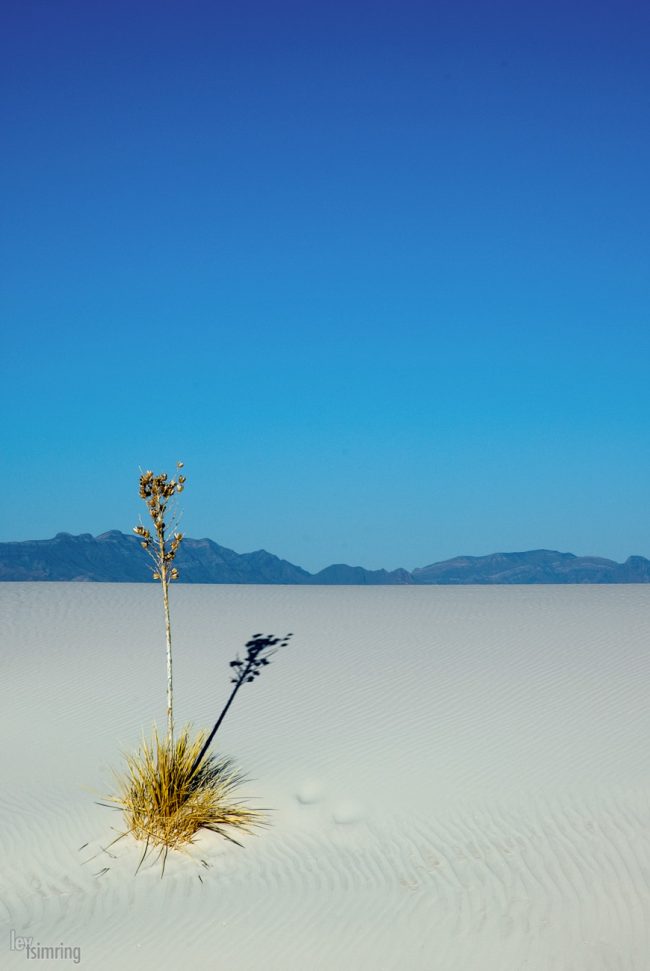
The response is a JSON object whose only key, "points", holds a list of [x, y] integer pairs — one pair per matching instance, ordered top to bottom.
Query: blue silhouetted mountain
{"points": [[117, 557], [534, 566], [339, 573]]}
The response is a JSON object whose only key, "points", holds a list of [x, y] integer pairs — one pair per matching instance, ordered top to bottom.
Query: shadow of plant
{"points": [[170, 791]]}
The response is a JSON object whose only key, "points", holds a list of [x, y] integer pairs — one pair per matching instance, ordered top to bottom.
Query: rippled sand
{"points": [[459, 778]]}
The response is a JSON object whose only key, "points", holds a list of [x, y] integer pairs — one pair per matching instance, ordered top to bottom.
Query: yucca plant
{"points": [[173, 787]]}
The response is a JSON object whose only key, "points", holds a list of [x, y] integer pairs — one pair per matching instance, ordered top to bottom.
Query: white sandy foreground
{"points": [[459, 778]]}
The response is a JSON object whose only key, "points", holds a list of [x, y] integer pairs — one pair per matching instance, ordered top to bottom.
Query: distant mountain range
{"points": [[116, 557]]}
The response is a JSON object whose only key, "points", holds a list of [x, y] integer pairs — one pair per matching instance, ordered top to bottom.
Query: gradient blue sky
{"points": [[377, 272]]}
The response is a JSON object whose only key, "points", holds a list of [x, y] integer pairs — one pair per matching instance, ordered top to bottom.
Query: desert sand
{"points": [[457, 778]]}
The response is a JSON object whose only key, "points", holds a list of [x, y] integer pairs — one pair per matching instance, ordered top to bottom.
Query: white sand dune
{"points": [[459, 778]]}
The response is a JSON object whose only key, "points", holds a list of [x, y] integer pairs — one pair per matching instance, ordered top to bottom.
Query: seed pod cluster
{"points": [[157, 491]]}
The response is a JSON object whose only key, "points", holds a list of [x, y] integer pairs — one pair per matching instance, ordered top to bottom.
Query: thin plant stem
{"points": [[159, 494], [168, 636]]}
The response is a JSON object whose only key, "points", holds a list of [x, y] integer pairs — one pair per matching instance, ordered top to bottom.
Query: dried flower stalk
{"points": [[159, 492]]}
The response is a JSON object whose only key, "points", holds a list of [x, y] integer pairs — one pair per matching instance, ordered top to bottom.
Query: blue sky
{"points": [[378, 273]]}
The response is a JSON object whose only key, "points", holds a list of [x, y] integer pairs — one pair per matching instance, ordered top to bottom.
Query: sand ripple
{"points": [[459, 779]]}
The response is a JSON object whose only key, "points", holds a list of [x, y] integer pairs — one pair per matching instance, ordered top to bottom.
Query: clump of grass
{"points": [[166, 798]]}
